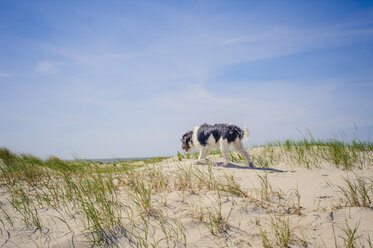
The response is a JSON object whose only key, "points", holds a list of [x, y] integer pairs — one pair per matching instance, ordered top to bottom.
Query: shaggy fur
{"points": [[207, 137]]}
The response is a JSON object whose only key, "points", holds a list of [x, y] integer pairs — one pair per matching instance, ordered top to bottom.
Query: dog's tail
{"points": [[246, 134]]}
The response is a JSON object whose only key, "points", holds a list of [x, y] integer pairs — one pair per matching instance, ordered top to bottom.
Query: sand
{"points": [[321, 220]]}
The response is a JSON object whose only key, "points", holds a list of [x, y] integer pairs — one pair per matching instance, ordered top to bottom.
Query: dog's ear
{"points": [[187, 135], [185, 140]]}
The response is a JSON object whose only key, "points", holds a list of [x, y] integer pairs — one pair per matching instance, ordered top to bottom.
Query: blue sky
{"points": [[106, 79]]}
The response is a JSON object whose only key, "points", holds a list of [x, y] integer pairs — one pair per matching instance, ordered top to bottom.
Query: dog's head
{"points": [[187, 143]]}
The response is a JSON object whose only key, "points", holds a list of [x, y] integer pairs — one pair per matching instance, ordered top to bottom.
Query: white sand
{"points": [[322, 209]]}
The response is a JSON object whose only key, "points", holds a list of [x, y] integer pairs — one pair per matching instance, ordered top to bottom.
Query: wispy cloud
{"points": [[49, 67]]}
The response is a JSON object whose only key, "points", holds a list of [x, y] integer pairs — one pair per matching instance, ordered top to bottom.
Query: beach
{"points": [[179, 202]]}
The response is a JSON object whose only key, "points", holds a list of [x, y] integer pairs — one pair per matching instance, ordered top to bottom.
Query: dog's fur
{"points": [[207, 137]]}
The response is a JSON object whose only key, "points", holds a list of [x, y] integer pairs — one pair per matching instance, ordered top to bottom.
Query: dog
{"points": [[207, 137]]}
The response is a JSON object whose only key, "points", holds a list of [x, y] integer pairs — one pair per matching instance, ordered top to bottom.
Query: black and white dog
{"points": [[207, 137]]}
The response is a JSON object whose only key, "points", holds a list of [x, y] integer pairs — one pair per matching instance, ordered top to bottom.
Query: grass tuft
{"points": [[358, 192], [350, 235]]}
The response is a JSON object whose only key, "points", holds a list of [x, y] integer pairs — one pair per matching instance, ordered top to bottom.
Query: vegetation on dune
{"points": [[307, 152], [345, 154], [33, 170], [82, 189], [358, 191], [115, 202]]}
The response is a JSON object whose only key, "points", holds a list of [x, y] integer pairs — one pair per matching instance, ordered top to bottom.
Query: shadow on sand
{"points": [[234, 166]]}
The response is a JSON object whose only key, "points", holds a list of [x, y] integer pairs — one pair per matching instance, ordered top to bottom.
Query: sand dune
{"points": [[183, 204]]}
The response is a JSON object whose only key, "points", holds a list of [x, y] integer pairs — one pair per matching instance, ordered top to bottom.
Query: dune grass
{"points": [[308, 152], [311, 153], [80, 190], [358, 191], [91, 194], [217, 221], [280, 234]]}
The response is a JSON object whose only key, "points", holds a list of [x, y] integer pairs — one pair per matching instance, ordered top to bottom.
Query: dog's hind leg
{"points": [[239, 147], [224, 150]]}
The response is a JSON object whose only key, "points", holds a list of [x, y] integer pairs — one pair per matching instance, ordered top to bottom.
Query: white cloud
{"points": [[49, 67]]}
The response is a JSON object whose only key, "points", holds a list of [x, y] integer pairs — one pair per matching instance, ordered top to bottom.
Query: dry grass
{"points": [[117, 204]]}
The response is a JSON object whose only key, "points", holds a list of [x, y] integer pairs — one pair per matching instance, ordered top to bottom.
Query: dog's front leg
{"points": [[224, 150], [202, 154]]}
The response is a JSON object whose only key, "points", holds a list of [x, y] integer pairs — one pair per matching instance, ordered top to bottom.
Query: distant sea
{"points": [[110, 160]]}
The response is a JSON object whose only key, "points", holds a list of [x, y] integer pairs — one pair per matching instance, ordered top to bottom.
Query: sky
{"points": [[114, 79]]}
